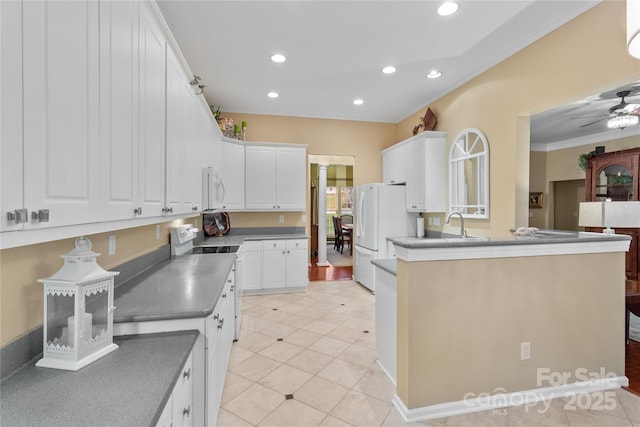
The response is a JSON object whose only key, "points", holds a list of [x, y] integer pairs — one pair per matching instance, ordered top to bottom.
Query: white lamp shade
{"points": [[633, 27], [591, 214], [609, 214], [622, 214]]}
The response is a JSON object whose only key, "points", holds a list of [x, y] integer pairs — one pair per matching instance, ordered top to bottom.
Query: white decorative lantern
{"points": [[78, 311]]}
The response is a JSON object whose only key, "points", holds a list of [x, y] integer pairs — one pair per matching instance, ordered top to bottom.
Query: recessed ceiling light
{"points": [[447, 8], [278, 58], [390, 69], [434, 74], [273, 94], [358, 101]]}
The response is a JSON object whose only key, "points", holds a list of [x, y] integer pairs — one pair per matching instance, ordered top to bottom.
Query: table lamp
{"points": [[609, 214]]}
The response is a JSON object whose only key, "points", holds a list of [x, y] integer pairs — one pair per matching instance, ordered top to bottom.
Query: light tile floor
{"points": [[309, 359]]}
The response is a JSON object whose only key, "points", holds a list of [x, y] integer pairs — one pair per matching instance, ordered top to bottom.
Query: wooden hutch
{"points": [[615, 175]]}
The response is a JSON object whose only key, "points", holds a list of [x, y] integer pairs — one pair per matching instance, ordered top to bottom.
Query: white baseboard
{"points": [[393, 380], [503, 400]]}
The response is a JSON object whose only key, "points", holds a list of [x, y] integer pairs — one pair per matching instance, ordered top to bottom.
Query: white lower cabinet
{"points": [[250, 260], [297, 263], [274, 265], [220, 331], [178, 410]]}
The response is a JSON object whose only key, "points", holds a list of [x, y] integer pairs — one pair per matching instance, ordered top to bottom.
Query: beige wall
{"points": [[585, 56], [21, 296], [460, 329]]}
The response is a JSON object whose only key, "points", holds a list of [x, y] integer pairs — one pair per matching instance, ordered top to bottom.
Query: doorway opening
{"points": [[331, 193], [567, 196]]}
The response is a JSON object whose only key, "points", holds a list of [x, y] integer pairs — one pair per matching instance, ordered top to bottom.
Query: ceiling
{"points": [[336, 50], [581, 121]]}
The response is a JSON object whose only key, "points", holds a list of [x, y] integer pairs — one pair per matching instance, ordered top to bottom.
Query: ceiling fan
{"points": [[621, 115]]}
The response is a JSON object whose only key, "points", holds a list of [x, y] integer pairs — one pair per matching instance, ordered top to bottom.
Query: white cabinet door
{"points": [[152, 70], [119, 109], [179, 114], [61, 129], [11, 154], [393, 165], [426, 174], [232, 176], [415, 176], [261, 177], [275, 178], [292, 178], [297, 263], [274, 264], [251, 266], [182, 397]]}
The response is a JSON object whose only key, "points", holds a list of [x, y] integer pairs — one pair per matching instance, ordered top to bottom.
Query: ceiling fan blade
{"points": [[594, 122]]}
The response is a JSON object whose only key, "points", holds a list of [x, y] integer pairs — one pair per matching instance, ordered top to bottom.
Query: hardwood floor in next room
{"points": [[317, 274]]}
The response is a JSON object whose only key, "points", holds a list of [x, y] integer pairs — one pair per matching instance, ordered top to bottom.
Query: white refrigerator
{"points": [[380, 212]]}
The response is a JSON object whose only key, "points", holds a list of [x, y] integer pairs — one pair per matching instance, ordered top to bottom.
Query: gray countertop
{"points": [[541, 237], [239, 239], [387, 264], [181, 287], [129, 386]]}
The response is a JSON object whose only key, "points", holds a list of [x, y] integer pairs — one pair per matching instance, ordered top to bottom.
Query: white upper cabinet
{"points": [[119, 109], [61, 110], [180, 130], [151, 131], [394, 165], [426, 172], [232, 175], [275, 178], [13, 214]]}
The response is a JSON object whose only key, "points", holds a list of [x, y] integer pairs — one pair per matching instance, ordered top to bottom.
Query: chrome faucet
{"points": [[463, 232]]}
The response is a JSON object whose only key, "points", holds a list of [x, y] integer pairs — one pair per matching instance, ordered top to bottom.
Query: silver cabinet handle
{"points": [[195, 208], [137, 211], [18, 215], [42, 215], [224, 295], [216, 316], [220, 323], [187, 374], [186, 411]]}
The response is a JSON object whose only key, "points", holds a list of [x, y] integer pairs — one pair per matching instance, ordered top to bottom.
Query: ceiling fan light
{"points": [[633, 28], [621, 122]]}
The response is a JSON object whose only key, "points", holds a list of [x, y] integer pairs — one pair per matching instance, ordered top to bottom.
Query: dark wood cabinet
{"points": [[615, 175]]}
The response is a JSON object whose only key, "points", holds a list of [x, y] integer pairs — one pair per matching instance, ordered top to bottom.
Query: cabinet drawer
{"points": [[298, 244], [252, 245], [268, 245]]}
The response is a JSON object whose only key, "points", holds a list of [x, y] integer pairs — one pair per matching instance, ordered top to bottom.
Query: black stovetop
{"points": [[215, 250]]}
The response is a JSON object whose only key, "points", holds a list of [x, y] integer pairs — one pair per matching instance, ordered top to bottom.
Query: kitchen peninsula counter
{"points": [[466, 306]]}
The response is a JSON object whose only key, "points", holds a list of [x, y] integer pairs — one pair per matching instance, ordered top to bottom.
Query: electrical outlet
{"points": [[281, 218], [304, 218], [430, 221], [195, 223], [157, 232], [112, 245], [525, 351]]}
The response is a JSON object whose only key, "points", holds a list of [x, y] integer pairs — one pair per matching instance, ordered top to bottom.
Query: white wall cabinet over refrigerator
{"points": [[394, 165], [426, 172], [275, 177]]}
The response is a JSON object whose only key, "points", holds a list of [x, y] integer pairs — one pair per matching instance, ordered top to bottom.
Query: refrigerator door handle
{"points": [[360, 215]]}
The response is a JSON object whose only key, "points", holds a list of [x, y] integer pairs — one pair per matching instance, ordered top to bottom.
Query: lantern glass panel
{"points": [[96, 309], [59, 310]]}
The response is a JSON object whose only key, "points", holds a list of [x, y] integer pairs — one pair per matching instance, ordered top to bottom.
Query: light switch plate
{"points": [[281, 218], [304, 218], [436, 221], [157, 232]]}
